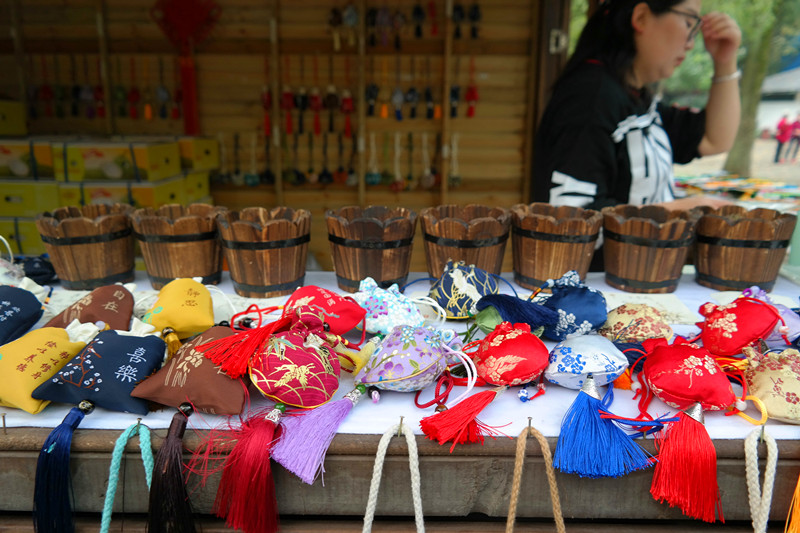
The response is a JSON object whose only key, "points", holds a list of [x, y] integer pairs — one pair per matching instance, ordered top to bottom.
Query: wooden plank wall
{"points": [[63, 45]]}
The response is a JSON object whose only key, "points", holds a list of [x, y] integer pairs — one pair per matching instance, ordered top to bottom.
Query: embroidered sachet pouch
{"points": [[460, 287], [112, 305], [184, 305], [386, 308], [580, 308], [19, 311], [342, 314], [635, 323], [789, 325], [727, 329], [510, 355], [576, 357], [34, 358], [409, 358], [298, 366], [106, 371], [682, 373], [190, 377], [774, 378]]}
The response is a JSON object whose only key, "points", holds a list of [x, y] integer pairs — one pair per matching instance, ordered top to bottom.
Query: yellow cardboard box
{"points": [[12, 118], [199, 153], [24, 158], [87, 161], [197, 186], [137, 194], [27, 198], [22, 235]]}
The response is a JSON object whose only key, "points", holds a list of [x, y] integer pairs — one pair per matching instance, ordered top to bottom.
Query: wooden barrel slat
{"points": [[452, 232], [548, 241], [179, 242], [371, 242], [645, 247], [738, 248], [261, 264], [89, 265]]}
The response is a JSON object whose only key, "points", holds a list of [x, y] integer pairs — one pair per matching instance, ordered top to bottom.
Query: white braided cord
{"points": [[377, 471], [760, 499]]}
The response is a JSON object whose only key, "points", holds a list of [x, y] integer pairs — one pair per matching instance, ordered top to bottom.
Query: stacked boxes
{"points": [[38, 175]]}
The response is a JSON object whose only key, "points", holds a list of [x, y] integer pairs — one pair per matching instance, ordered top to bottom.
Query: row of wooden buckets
{"points": [[644, 250]]}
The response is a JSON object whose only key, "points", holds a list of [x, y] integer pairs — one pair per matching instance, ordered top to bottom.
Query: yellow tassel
{"points": [[384, 111], [437, 111], [148, 112], [172, 340], [354, 360], [624, 380], [793, 520]]}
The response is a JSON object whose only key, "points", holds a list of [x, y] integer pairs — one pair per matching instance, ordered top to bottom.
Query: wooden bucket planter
{"points": [[475, 234], [548, 241], [179, 242], [371, 242], [90, 246], [646, 246], [737, 248], [266, 249]]}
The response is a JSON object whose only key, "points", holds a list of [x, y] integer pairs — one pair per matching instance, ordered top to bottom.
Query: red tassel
{"points": [[348, 127], [232, 354], [459, 423], [686, 473], [246, 494]]}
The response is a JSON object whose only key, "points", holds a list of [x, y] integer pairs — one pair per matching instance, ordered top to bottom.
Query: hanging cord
{"points": [[398, 152], [373, 153], [454, 155], [8, 248], [500, 278], [214, 288], [441, 314], [469, 367], [116, 458], [519, 461], [413, 465], [760, 500]]}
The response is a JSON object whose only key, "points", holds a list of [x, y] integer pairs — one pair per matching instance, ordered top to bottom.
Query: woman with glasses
{"points": [[605, 138]]}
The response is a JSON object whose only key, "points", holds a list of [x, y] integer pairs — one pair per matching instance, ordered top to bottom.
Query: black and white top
{"points": [[600, 144]]}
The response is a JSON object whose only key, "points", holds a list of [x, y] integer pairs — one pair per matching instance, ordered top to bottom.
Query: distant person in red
{"points": [[783, 134], [794, 142]]}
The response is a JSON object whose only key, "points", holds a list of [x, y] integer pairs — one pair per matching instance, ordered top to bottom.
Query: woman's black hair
{"points": [[608, 36]]}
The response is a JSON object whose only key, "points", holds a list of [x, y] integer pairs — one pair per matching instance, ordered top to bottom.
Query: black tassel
{"points": [[170, 510]]}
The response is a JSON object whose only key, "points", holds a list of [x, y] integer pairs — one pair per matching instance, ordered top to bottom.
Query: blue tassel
{"points": [[519, 311], [593, 447], [52, 493]]}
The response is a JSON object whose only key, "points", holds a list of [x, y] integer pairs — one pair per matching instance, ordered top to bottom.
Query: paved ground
{"points": [[763, 165]]}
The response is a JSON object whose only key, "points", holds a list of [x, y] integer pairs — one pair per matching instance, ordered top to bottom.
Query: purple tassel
{"points": [[305, 439]]}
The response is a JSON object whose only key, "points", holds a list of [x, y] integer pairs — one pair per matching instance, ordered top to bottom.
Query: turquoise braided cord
{"points": [[147, 453], [116, 459]]}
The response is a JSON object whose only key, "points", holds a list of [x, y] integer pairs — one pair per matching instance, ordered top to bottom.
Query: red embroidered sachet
{"points": [[340, 313], [727, 329], [510, 355], [298, 365], [683, 373]]}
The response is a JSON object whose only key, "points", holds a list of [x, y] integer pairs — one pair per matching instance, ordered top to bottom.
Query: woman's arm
{"points": [[722, 37]]}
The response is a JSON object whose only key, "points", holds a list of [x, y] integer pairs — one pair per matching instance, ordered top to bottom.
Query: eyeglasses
{"points": [[694, 26]]}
